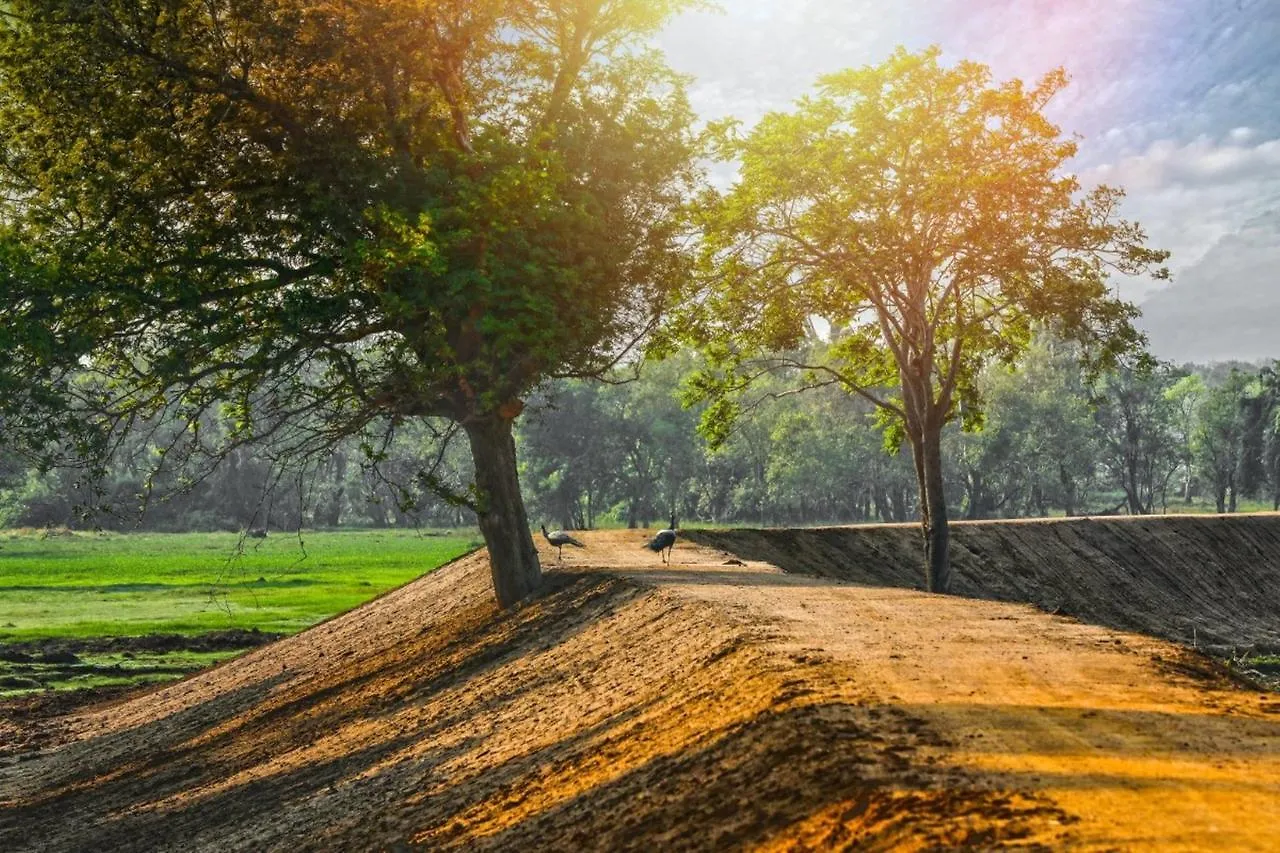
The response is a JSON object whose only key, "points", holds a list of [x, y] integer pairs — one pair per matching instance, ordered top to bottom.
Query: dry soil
{"points": [[716, 703]]}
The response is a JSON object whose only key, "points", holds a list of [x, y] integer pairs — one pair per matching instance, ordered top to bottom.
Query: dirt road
{"points": [[705, 705], [1148, 746]]}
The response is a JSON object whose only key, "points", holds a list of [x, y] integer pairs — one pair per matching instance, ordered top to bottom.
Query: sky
{"points": [[1176, 101]]}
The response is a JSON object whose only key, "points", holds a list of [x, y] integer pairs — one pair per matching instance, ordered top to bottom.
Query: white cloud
{"points": [[1175, 101], [1201, 162], [1188, 196], [1226, 305]]}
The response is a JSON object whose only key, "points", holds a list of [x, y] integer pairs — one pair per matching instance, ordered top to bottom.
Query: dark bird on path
{"points": [[559, 539], [664, 540]]}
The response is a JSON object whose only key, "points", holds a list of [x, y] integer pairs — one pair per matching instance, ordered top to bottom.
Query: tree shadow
{"points": [[1117, 733], [771, 776], [79, 784]]}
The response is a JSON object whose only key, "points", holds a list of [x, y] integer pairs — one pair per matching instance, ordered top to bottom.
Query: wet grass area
{"points": [[116, 662], [1262, 670]]}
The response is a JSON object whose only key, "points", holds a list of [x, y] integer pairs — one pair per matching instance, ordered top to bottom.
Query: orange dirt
{"points": [[703, 705]]}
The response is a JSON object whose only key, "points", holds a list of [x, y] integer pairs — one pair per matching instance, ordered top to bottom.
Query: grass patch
{"points": [[94, 585], [75, 589], [1263, 671]]}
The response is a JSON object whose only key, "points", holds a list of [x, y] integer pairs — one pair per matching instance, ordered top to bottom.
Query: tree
{"points": [[925, 213], [333, 217], [1185, 397], [1257, 412], [1039, 416], [1135, 417], [1218, 439], [570, 448], [659, 448]]}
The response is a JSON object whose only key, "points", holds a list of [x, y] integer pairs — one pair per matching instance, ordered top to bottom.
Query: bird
{"points": [[559, 539], [664, 540]]}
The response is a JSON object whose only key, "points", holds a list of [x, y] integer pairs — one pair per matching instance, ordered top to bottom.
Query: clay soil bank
{"points": [[1207, 581], [719, 703]]}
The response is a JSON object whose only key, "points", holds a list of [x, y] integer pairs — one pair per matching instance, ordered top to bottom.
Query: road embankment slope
{"points": [[1212, 582], [716, 703]]}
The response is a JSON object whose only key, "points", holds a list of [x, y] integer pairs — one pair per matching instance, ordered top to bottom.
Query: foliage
{"points": [[331, 217], [927, 217], [1135, 418], [1217, 442], [1051, 443], [570, 444], [1037, 446]]}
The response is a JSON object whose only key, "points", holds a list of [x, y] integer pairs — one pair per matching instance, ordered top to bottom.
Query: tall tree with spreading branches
{"points": [[926, 215], [325, 217]]}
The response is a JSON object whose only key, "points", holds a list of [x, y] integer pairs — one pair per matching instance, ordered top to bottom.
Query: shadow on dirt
{"points": [[262, 768], [769, 777], [91, 779]]}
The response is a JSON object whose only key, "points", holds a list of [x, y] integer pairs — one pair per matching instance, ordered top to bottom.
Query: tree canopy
{"points": [[926, 215], [329, 217]]}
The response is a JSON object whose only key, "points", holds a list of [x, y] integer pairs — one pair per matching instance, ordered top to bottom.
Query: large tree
{"points": [[327, 216], [929, 216]]}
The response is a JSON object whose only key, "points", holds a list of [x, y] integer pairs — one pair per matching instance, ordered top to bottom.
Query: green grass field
{"points": [[94, 585]]}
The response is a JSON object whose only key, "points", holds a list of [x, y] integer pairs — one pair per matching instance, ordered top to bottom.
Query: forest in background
{"points": [[1052, 441]]}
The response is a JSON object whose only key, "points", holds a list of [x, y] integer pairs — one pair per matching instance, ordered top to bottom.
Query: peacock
{"points": [[559, 539], [664, 540]]}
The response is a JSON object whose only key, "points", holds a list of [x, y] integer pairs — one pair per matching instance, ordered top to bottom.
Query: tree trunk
{"points": [[1132, 488], [1068, 491], [880, 499], [898, 504], [937, 534], [512, 556]]}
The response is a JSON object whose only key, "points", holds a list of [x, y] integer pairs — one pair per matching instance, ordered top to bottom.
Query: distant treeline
{"points": [[1050, 441]]}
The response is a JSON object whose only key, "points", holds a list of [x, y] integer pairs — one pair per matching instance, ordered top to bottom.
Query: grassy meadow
{"points": [[112, 584], [67, 600]]}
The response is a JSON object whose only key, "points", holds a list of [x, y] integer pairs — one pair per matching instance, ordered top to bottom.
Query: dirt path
{"points": [[702, 706], [1148, 746]]}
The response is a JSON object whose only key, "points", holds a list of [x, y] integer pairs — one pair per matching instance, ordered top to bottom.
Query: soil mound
{"points": [[1212, 582], [709, 704], [608, 714]]}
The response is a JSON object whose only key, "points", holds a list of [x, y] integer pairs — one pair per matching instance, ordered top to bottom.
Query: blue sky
{"points": [[1178, 101]]}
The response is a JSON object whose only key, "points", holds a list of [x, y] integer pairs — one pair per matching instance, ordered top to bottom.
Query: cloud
{"points": [[760, 55], [1175, 100], [1203, 162], [1188, 196], [1226, 305]]}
